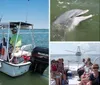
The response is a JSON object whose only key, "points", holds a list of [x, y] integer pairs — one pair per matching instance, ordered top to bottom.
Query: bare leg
{"points": [[64, 76], [60, 80], [57, 81], [89, 83]]}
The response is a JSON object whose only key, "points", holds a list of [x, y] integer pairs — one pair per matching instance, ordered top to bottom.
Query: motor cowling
{"points": [[39, 59]]}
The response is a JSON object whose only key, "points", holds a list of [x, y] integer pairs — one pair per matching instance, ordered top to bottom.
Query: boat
{"points": [[78, 53], [6, 65], [72, 72]]}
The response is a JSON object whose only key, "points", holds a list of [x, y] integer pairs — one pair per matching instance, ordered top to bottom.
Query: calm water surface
{"points": [[88, 30], [41, 39], [26, 79]]}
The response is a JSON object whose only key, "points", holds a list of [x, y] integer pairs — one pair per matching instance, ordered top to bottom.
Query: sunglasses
{"points": [[95, 67]]}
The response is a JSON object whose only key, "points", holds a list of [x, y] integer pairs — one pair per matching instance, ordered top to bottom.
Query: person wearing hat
{"points": [[13, 41]]}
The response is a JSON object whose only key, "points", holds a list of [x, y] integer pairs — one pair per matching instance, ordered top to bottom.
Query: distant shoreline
{"points": [[34, 29], [70, 54]]}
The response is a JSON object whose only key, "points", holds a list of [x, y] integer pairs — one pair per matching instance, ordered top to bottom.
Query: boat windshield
{"points": [[25, 30]]}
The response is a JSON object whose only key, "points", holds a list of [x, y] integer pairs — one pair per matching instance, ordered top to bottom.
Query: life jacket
{"points": [[2, 51]]}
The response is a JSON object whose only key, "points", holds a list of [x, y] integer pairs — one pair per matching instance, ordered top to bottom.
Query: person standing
{"points": [[13, 43]]}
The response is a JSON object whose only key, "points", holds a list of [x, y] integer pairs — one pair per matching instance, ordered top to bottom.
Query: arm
{"points": [[11, 41], [91, 78], [89, 83]]}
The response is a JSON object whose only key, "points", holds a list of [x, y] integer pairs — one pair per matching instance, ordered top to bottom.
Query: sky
{"points": [[17, 10], [71, 48]]}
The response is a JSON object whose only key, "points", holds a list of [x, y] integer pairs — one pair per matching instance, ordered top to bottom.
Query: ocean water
{"points": [[88, 30], [40, 36], [40, 39], [75, 60], [26, 79]]}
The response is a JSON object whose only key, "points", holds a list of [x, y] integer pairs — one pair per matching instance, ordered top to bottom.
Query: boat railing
{"points": [[95, 61], [70, 63]]}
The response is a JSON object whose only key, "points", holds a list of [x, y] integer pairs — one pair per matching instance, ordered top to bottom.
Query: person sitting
{"points": [[3, 49], [89, 61], [80, 70], [62, 71], [87, 71], [55, 74], [94, 78]]}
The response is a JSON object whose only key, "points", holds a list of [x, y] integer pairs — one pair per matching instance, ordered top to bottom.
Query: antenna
{"points": [[27, 11]]}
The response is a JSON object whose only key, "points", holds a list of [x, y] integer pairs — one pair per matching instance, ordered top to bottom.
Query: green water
{"points": [[87, 30], [41, 39], [26, 79]]}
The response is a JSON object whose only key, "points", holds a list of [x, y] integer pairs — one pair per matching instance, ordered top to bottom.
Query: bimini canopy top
{"points": [[15, 24]]}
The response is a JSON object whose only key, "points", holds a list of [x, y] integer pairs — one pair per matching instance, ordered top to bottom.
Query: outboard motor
{"points": [[39, 59]]}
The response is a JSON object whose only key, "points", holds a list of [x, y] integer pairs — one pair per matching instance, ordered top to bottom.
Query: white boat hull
{"points": [[14, 70]]}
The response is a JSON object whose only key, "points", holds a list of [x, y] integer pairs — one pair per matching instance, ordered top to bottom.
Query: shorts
{"points": [[57, 76]]}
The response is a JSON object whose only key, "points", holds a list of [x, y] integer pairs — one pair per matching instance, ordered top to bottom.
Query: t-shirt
{"points": [[13, 40], [53, 67], [61, 67], [87, 69], [95, 80]]}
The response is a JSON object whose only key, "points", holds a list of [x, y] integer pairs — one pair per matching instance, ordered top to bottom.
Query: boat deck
{"points": [[74, 81]]}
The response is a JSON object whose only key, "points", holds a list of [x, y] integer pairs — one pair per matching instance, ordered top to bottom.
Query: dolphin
{"points": [[70, 19]]}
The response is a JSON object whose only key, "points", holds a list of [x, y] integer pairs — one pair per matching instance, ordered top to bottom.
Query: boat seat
{"points": [[27, 47], [25, 50], [21, 53], [74, 81]]}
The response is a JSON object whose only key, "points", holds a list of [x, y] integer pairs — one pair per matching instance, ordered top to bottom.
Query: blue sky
{"points": [[16, 10], [65, 48]]}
